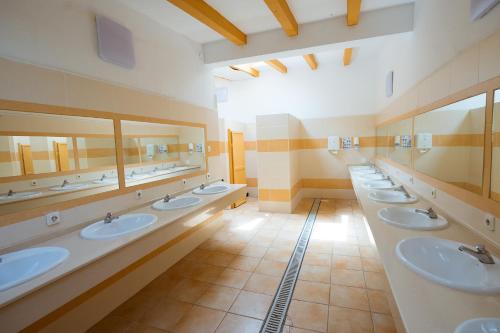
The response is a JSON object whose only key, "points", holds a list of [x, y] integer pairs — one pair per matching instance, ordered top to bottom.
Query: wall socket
{"points": [[208, 176], [411, 180], [184, 181], [34, 183], [434, 193], [138, 194], [52, 218], [489, 222]]}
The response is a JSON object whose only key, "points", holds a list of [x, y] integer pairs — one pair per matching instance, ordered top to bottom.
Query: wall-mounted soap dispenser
{"points": [[355, 142], [423, 142], [334, 144], [190, 148]]}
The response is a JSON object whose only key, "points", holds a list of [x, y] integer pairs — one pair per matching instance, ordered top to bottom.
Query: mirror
{"points": [[382, 141], [399, 141], [449, 143], [156, 151], [48, 158], [495, 160]]}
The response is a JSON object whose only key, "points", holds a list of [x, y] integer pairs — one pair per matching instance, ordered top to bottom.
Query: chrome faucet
{"points": [[132, 174], [103, 177], [389, 179], [64, 183], [202, 186], [401, 188], [10, 194], [167, 198], [429, 212], [109, 218], [479, 252]]}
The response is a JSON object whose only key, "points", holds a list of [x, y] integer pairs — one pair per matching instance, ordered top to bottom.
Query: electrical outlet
{"points": [[78, 176], [208, 176], [412, 180], [184, 181], [34, 183], [434, 193], [138, 194], [52, 218], [489, 222]]}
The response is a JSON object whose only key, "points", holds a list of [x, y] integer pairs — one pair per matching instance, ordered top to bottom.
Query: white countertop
{"points": [[83, 252], [424, 306]]}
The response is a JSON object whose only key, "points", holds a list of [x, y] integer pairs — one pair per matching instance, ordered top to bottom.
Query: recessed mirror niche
{"points": [[449, 143], [156, 151], [49, 158]]}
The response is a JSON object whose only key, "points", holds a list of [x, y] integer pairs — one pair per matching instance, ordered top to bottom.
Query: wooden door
{"points": [[62, 157], [26, 159], [237, 171]]}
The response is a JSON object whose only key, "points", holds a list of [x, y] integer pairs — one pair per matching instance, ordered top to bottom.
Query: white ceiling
{"points": [[250, 16]]}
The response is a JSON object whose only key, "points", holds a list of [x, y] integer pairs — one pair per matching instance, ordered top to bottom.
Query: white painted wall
{"points": [[442, 29], [61, 34], [331, 90]]}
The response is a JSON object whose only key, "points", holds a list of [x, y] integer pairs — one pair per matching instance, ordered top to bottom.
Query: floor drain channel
{"points": [[276, 316]]}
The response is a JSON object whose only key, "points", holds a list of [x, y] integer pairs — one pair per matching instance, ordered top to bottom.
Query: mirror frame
{"points": [[21, 106], [481, 201]]}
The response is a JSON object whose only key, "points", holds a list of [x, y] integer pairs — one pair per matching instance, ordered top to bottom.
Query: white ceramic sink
{"points": [[361, 167], [364, 172], [374, 176], [106, 181], [381, 184], [69, 187], [212, 189], [19, 195], [388, 196], [176, 203], [410, 218], [123, 225], [440, 261], [21, 266], [479, 325]]}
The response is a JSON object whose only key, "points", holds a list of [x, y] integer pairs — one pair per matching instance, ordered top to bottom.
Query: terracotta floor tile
{"points": [[286, 244], [320, 246], [233, 247], [346, 250], [254, 251], [368, 252], [281, 255], [219, 259], [317, 259], [346, 262], [243, 263], [372, 265], [270, 267], [207, 273], [315, 273], [347, 277], [233, 278], [376, 280], [262, 284], [189, 290], [312, 292], [218, 297], [349, 297], [378, 301], [251, 305], [134, 307], [166, 314], [311, 316], [199, 320], [344, 320], [383, 323], [111, 324], [238, 324], [142, 328]]}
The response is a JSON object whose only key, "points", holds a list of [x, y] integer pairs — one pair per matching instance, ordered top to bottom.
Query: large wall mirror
{"points": [[399, 141], [382, 142], [449, 143], [156, 151], [49, 158], [495, 166]]}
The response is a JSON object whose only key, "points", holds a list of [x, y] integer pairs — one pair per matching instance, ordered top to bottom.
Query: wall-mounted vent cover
{"points": [[114, 43], [389, 84]]}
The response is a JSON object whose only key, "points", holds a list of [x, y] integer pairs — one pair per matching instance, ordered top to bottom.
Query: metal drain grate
{"points": [[275, 318]]}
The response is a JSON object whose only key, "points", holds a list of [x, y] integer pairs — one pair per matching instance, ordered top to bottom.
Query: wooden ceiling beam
{"points": [[353, 11], [207, 15], [284, 16], [347, 56], [311, 61], [277, 65], [249, 70]]}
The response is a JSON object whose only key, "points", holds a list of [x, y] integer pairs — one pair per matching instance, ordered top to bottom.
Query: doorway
{"points": [[237, 169]]}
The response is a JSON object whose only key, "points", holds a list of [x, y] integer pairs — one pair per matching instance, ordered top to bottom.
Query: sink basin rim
{"points": [[366, 183], [70, 187], [206, 190], [28, 194], [372, 196], [157, 204], [442, 222], [86, 233], [62, 253], [443, 280], [469, 324]]}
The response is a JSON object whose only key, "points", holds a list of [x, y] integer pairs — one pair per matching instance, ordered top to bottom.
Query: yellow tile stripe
{"points": [[495, 139], [252, 182], [266, 194]]}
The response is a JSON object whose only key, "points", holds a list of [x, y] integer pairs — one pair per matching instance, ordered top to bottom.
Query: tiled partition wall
{"points": [[477, 64], [34, 84]]}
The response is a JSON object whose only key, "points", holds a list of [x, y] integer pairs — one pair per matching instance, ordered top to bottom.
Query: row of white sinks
{"points": [[438, 260], [20, 266]]}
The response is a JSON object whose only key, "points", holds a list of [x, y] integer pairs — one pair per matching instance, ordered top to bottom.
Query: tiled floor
{"points": [[227, 283]]}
